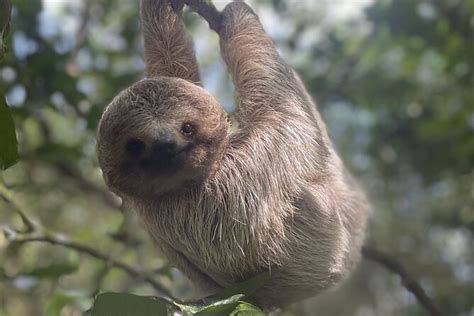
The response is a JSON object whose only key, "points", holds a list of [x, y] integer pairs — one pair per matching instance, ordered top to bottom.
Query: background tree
{"points": [[393, 79]]}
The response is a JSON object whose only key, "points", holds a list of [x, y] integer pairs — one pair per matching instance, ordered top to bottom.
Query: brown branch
{"points": [[207, 10], [82, 31], [71, 65], [30, 225], [33, 233], [98, 279], [408, 282], [165, 295]]}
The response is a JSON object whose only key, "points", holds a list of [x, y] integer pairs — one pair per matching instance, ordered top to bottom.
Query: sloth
{"points": [[225, 204]]}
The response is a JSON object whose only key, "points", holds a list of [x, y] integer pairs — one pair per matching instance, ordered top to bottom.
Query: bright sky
{"points": [[340, 9]]}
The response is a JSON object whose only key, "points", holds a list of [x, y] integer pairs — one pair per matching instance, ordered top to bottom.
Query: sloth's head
{"points": [[160, 135]]}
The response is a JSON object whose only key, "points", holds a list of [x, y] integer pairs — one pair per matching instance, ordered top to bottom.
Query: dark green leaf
{"points": [[5, 15], [8, 143], [228, 300], [121, 304], [224, 307]]}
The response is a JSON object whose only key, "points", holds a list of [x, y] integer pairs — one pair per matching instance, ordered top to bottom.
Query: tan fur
{"points": [[168, 49], [272, 196]]}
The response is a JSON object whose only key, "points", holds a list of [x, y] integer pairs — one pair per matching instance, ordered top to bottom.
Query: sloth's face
{"points": [[160, 135]]}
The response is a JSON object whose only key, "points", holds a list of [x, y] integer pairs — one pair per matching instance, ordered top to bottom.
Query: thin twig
{"points": [[207, 10], [82, 31], [71, 65], [30, 225], [30, 236], [101, 256], [99, 277], [408, 282]]}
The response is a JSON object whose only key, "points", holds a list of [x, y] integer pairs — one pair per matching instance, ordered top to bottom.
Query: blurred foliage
{"points": [[5, 16], [394, 82], [8, 142]]}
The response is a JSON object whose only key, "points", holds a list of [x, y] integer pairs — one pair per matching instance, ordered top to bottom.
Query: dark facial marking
{"points": [[135, 147]]}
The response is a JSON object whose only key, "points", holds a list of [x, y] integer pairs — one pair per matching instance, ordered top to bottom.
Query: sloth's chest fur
{"points": [[228, 232]]}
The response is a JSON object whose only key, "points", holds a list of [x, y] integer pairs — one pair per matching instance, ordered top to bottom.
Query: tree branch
{"points": [[207, 10], [71, 66], [30, 225], [34, 233], [408, 282], [165, 295]]}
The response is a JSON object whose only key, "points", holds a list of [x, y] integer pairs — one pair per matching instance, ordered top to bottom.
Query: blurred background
{"points": [[394, 80]]}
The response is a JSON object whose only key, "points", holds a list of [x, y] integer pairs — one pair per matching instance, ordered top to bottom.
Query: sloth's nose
{"points": [[164, 148], [161, 149], [159, 154]]}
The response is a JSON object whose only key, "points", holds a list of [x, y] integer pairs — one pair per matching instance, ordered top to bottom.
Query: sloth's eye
{"points": [[187, 129]]}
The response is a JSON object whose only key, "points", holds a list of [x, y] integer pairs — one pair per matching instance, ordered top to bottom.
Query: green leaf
{"points": [[5, 16], [8, 143], [53, 271], [229, 300], [122, 304], [222, 307], [247, 309]]}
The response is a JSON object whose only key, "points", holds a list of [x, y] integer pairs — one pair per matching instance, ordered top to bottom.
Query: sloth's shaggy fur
{"points": [[271, 196]]}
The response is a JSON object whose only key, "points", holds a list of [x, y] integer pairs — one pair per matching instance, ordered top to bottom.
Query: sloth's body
{"points": [[225, 206]]}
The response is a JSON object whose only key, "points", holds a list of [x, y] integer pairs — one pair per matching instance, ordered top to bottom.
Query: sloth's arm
{"points": [[168, 48], [264, 83], [274, 111]]}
